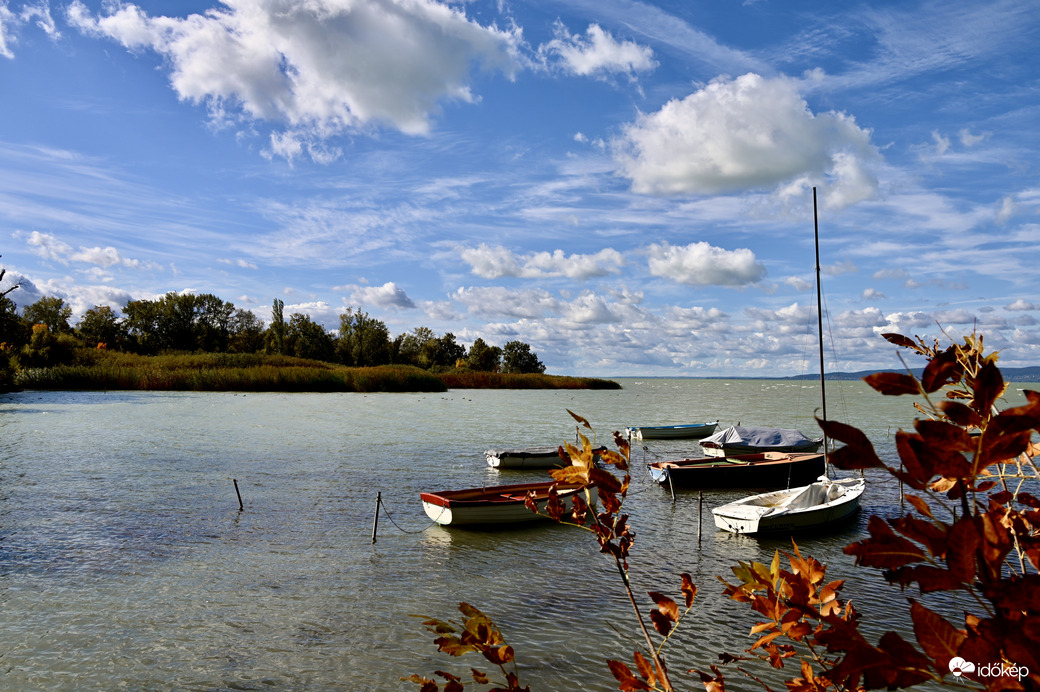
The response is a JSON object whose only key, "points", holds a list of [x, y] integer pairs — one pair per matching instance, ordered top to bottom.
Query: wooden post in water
{"points": [[235, 481], [700, 515], [375, 519]]}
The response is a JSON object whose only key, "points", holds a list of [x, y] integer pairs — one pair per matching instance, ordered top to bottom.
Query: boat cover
{"points": [[757, 436]]}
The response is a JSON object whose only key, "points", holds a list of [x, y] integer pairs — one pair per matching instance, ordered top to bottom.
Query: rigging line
{"points": [[834, 358]]}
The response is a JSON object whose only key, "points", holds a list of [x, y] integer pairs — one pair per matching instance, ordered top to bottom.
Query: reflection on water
{"points": [[125, 562]]}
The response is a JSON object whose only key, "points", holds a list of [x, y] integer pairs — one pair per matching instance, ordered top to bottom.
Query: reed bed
{"points": [[250, 372]]}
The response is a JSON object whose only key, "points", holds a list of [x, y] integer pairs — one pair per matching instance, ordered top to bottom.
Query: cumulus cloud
{"points": [[597, 53], [393, 62], [745, 133], [49, 247], [495, 262], [701, 264], [873, 294], [389, 295], [496, 301], [1022, 304]]}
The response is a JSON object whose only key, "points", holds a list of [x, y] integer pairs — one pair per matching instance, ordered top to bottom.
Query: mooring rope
{"points": [[386, 512]]}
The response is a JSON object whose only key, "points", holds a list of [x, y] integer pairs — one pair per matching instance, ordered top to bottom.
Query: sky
{"points": [[625, 186]]}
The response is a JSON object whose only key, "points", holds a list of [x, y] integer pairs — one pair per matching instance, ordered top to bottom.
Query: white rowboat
{"points": [[671, 432], [494, 505], [810, 506]]}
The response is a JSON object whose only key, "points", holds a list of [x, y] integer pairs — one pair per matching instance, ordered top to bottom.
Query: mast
{"points": [[819, 314]]}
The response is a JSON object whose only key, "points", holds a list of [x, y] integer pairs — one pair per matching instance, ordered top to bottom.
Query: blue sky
{"points": [[626, 186]]}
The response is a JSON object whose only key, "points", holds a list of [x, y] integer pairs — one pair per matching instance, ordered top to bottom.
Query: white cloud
{"points": [[7, 20], [597, 53], [393, 63], [745, 133], [970, 140], [942, 144], [1007, 210], [47, 246], [103, 257], [495, 262], [701, 264], [873, 294], [389, 295], [499, 301], [1022, 304]]}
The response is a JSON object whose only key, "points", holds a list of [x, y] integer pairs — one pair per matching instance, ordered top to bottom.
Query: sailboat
{"points": [[819, 503]]}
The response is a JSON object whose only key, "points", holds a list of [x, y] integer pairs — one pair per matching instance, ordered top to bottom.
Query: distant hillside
{"points": [[1029, 374]]}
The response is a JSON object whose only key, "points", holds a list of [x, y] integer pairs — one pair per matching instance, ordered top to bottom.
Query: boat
{"points": [[686, 431], [751, 439], [529, 458], [761, 470], [495, 504], [809, 506]]}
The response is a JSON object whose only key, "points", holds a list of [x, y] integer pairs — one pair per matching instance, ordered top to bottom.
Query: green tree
{"points": [[51, 311], [141, 320], [100, 325], [212, 326], [247, 333], [275, 338], [305, 338], [363, 340], [408, 347], [483, 357], [519, 358]]}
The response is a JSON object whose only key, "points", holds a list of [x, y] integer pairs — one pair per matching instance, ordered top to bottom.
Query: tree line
{"points": [[42, 335]]}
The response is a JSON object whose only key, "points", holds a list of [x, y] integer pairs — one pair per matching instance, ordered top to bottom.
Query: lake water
{"points": [[125, 562]]}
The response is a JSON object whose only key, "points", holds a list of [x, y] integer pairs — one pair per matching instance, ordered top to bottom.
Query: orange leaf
{"points": [[893, 383], [689, 590], [666, 605], [937, 637], [623, 674]]}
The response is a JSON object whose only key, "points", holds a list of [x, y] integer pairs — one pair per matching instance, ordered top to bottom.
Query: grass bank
{"points": [[218, 372]]}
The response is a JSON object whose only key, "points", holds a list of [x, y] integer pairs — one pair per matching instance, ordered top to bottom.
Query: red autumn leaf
{"points": [[900, 340], [942, 368], [893, 383], [989, 384], [960, 413], [578, 418], [937, 433], [1002, 448], [858, 452], [915, 473], [571, 474], [604, 480], [920, 505], [933, 536], [963, 545], [884, 548], [927, 578], [689, 590], [666, 605], [662, 623], [939, 639], [499, 655], [645, 669], [623, 674], [479, 677]]}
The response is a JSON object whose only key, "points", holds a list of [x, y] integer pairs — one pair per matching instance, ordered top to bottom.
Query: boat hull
{"points": [[671, 432], [528, 458], [762, 470], [493, 505], [766, 512]]}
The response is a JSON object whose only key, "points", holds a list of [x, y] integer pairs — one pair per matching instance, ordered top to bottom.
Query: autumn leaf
{"points": [[893, 383], [989, 385], [578, 418], [884, 548], [689, 590], [666, 605], [939, 639], [623, 674]]}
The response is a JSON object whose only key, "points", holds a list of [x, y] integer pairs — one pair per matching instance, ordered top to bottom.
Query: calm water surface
{"points": [[125, 562]]}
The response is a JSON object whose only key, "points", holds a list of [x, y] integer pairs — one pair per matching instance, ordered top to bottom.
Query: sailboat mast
{"points": [[819, 312]]}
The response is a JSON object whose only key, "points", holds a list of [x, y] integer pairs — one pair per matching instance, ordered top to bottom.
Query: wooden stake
{"points": [[240, 508], [700, 515], [375, 519]]}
